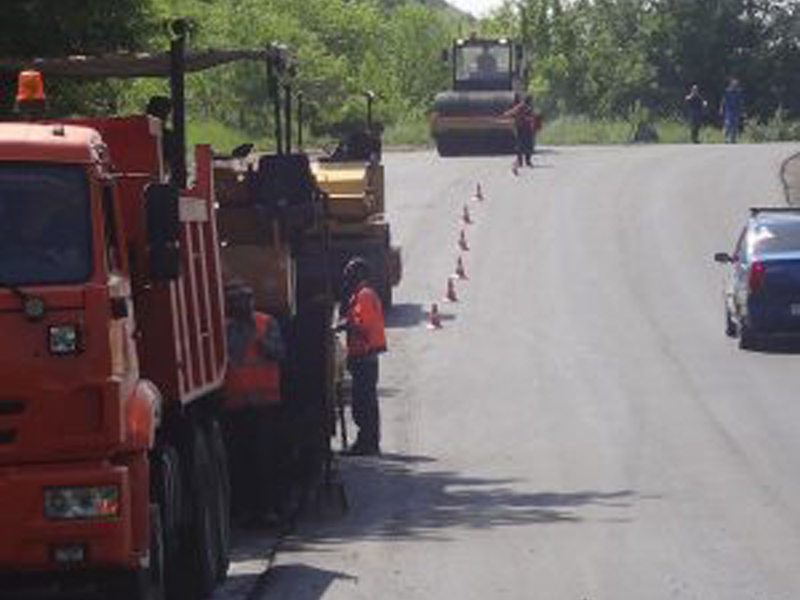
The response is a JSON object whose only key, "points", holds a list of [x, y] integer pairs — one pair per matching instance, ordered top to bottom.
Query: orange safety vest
{"points": [[365, 334], [254, 380]]}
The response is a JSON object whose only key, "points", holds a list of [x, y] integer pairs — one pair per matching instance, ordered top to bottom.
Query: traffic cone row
{"points": [[460, 273]]}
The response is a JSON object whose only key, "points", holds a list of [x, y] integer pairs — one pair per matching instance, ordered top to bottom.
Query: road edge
{"points": [[791, 195]]}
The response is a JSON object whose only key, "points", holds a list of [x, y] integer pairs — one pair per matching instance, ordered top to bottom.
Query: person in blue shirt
{"points": [[731, 111]]}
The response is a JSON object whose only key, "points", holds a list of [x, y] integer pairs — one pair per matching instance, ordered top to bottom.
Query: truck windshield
{"points": [[485, 63], [45, 229]]}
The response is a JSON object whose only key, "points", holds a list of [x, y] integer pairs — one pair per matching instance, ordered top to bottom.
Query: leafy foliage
{"points": [[343, 49], [602, 57]]}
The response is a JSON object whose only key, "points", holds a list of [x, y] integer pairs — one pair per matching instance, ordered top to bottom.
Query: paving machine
{"points": [[488, 76], [352, 178]]}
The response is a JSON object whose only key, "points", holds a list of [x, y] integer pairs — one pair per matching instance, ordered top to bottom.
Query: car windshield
{"points": [[483, 63], [45, 232]]}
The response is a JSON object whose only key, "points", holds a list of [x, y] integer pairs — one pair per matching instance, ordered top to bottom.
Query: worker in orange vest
{"points": [[362, 314], [252, 406]]}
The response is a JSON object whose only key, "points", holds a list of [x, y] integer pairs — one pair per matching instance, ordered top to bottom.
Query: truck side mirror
{"points": [[445, 56], [162, 207]]}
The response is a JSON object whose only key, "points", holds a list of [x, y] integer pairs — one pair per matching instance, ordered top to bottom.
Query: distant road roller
{"points": [[488, 75]]}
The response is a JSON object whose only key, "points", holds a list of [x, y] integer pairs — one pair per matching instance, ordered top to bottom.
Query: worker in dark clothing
{"points": [[695, 110], [731, 111], [527, 123], [362, 320], [252, 410]]}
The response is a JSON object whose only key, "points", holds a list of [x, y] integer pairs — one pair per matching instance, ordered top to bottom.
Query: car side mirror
{"points": [[162, 207], [723, 257]]}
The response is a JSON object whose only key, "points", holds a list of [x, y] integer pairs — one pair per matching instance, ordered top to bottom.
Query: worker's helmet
{"points": [[357, 269], [238, 297]]}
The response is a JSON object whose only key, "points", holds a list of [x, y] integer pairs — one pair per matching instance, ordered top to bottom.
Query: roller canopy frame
{"points": [[129, 65]]}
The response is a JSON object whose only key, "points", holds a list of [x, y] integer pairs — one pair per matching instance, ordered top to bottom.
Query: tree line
{"points": [[343, 49], [595, 58], [609, 58]]}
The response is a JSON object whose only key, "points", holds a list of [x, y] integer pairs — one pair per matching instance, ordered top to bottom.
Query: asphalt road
{"points": [[580, 428]]}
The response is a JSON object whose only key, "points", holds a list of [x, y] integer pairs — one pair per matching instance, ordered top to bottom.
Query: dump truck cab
{"points": [[487, 78], [111, 308], [76, 417]]}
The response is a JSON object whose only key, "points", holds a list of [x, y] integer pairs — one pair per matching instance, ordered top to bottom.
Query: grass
{"points": [[411, 131], [562, 131], [574, 131], [221, 137]]}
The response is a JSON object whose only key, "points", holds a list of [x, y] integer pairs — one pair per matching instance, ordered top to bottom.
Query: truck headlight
{"points": [[63, 339], [81, 502]]}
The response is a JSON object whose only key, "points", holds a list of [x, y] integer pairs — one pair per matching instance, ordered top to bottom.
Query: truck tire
{"points": [[165, 468], [222, 497], [199, 572]]}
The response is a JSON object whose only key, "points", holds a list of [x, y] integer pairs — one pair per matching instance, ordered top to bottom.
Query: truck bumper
{"points": [[31, 542]]}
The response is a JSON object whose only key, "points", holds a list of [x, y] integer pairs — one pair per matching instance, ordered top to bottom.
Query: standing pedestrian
{"points": [[695, 111], [731, 111], [526, 122], [366, 340], [252, 410]]}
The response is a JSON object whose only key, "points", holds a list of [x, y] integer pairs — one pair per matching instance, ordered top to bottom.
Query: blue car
{"points": [[762, 291]]}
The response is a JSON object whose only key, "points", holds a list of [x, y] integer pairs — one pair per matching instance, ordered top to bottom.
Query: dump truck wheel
{"points": [[222, 497], [199, 574]]}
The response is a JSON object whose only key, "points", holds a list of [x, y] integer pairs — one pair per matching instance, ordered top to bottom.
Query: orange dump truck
{"points": [[112, 468]]}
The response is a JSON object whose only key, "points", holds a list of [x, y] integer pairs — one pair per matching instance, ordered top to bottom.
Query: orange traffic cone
{"points": [[479, 193], [465, 216], [462, 241], [461, 272], [450, 295], [434, 318]]}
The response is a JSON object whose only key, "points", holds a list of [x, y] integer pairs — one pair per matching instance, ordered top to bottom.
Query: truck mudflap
{"points": [[33, 542]]}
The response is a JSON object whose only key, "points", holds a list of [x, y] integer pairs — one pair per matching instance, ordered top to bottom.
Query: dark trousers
{"points": [[694, 129], [525, 143], [366, 413], [256, 455]]}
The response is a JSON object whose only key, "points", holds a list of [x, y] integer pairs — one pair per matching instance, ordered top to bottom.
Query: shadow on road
{"points": [[408, 315], [405, 497], [301, 582]]}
